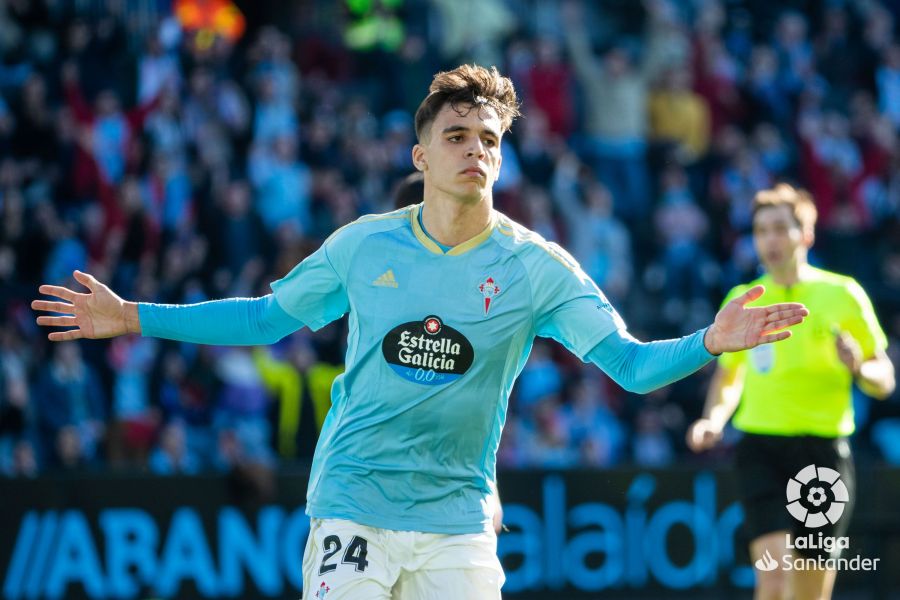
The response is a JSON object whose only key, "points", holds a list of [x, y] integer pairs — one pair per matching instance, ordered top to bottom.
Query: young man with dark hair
{"points": [[445, 299], [793, 400]]}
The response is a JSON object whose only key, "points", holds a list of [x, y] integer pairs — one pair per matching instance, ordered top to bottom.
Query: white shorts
{"points": [[347, 561]]}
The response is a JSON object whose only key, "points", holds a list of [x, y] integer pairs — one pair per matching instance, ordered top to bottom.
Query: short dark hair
{"points": [[468, 85], [798, 200]]}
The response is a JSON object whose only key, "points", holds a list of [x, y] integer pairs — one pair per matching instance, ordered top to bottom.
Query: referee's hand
{"points": [[101, 313], [849, 352], [703, 435]]}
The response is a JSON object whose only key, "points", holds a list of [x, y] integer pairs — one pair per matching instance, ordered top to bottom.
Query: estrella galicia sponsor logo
{"points": [[427, 351]]}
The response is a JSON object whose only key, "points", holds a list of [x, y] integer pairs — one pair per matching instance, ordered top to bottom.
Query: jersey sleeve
{"points": [[315, 291], [568, 305], [861, 321], [228, 322], [731, 360], [643, 367]]}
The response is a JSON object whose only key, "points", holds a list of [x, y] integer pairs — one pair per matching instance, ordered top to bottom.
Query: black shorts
{"points": [[766, 463]]}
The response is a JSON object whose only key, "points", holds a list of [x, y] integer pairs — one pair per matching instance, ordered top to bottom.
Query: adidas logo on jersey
{"points": [[386, 279]]}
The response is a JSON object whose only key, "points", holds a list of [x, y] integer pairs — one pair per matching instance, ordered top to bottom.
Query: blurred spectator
{"points": [[472, 29], [794, 51], [158, 67], [716, 70], [888, 80], [549, 86], [765, 92], [215, 111], [274, 112], [679, 116], [616, 120], [107, 132], [34, 140], [538, 148], [282, 185], [599, 241], [238, 242], [687, 269], [540, 377], [186, 394], [69, 402], [241, 414], [134, 421], [596, 432], [547, 437], [651, 445], [16, 452], [172, 456]]}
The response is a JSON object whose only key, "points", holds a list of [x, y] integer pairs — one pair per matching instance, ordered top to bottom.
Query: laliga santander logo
{"points": [[824, 493], [816, 497]]}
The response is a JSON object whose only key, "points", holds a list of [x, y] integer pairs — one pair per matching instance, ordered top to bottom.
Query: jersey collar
{"points": [[455, 250]]}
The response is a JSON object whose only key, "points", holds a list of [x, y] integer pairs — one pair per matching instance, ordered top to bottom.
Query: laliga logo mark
{"points": [[816, 496], [766, 563]]}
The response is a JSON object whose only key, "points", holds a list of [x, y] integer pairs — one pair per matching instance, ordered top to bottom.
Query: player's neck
{"points": [[452, 222]]}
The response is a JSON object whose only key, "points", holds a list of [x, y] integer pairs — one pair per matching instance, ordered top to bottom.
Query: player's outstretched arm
{"points": [[99, 313], [737, 327]]}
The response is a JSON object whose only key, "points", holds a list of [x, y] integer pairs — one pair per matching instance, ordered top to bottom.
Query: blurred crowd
{"points": [[181, 166]]}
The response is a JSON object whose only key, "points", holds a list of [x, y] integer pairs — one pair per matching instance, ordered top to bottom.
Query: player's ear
{"points": [[418, 158], [499, 164], [809, 236]]}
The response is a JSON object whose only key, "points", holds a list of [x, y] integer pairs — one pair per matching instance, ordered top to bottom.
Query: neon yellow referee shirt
{"points": [[799, 386]]}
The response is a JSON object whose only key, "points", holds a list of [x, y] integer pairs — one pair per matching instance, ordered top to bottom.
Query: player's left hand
{"points": [[738, 328], [849, 351]]}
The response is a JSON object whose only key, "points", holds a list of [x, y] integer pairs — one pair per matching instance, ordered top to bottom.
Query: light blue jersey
{"points": [[436, 340]]}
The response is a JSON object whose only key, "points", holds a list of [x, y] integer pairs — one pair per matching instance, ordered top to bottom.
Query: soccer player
{"points": [[411, 190], [445, 298], [793, 400]]}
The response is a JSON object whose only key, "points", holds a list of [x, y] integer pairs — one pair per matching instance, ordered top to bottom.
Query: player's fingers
{"points": [[86, 279], [59, 292], [750, 295], [49, 306], [783, 311], [57, 321], [781, 324], [65, 336], [775, 337]]}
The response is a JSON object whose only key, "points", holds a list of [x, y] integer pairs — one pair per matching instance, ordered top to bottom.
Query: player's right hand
{"points": [[98, 314], [702, 435]]}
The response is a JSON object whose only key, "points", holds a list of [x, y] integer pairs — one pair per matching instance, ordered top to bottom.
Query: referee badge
{"points": [[489, 290], [763, 357]]}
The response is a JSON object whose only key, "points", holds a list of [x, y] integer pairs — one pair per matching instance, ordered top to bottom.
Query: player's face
{"points": [[461, 156], [778, 238]]}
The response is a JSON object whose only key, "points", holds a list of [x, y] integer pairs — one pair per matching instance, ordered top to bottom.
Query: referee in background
{"points": [[794, 400]]}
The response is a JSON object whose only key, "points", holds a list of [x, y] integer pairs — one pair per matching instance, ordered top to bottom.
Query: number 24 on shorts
{"points": [[355, 554]]}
